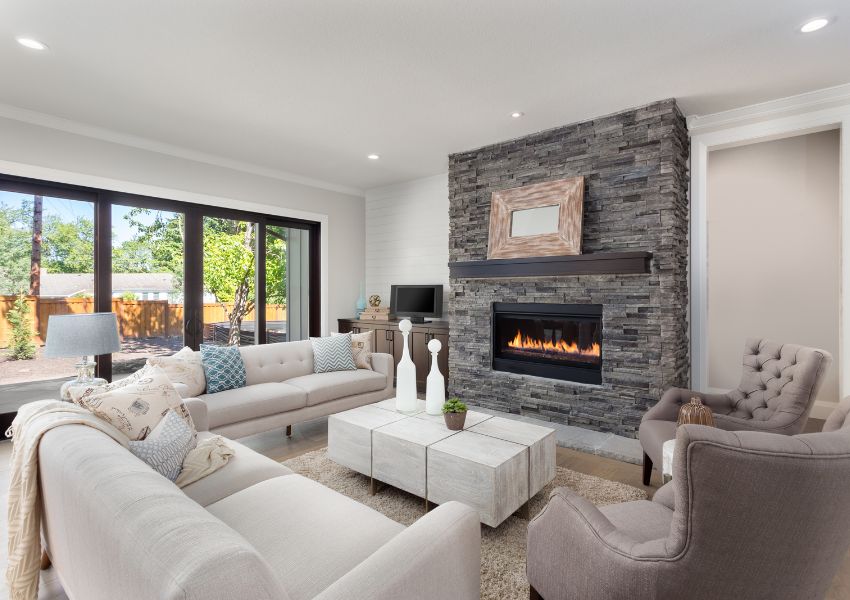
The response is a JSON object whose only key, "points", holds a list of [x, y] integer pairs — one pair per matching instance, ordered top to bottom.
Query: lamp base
{"points": [[85, 378]]}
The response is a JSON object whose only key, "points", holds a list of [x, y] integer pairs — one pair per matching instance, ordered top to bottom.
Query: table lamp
{"points": [[84, 335]]}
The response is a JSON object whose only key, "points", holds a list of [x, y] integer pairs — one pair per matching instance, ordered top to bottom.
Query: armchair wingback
{"points": [[779, 384], [751, 515]]}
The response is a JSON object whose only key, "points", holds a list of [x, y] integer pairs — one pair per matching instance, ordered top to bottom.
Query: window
{"points": [[175, 274]]}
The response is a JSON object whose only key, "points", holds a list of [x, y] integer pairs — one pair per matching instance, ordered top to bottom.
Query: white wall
{"points": [[32, 150], [407, 235], [774, 250]]}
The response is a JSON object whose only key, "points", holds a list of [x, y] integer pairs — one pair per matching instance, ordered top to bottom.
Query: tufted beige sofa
{"points": [[779, 384], [282, 390]]}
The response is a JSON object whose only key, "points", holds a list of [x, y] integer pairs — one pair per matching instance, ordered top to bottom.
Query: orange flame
{"points": [[527, 343]]}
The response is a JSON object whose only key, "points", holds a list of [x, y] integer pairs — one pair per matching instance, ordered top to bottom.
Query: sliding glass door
{"points": [[229, 267], [46, 268], [174, 273], [287, 283], [147, 284]]}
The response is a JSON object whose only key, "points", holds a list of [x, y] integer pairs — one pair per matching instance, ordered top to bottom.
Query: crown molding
{"points": [[772, 109], [107, 135]]}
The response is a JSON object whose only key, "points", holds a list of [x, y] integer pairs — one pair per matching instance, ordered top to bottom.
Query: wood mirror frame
{"points": [[568, 194]]}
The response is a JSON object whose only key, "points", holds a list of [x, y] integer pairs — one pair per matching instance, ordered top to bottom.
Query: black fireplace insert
{"points": [[559, 341]]}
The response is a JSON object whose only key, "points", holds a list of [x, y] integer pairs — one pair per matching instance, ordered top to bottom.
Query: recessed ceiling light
{"points": [[814, 25], [31, 43], [517, 114], [373, 157]]}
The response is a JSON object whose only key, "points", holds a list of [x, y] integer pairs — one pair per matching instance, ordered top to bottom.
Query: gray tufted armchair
{"points": [[778, 386], [748, 515]]}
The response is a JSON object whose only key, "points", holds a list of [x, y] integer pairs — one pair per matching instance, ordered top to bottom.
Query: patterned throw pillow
{"points": [[361, 348], [332, 354], [184, 367], [223, 368], [136, 404], [166, 446]]}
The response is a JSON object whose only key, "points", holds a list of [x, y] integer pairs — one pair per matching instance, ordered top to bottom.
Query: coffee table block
{"points": [[389, 404], [472, 418], [350, 436], [540, 442], [398, 453], [486, 473]]}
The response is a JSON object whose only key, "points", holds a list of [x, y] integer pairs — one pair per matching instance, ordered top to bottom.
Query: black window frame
{"points": [[103, 200]]}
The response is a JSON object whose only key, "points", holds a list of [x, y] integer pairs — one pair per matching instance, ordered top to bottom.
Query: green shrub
{"points": [[129, 297], [22, 346], [454, 405]]}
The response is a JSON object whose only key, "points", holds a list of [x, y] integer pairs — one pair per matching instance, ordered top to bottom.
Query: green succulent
{"points": [[454, 405]]}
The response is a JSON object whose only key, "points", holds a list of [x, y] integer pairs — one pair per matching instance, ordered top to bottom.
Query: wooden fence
{"points": [[136, 318]]}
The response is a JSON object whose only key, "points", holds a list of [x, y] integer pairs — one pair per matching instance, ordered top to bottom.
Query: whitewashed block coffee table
{"points": [[495, 465]]}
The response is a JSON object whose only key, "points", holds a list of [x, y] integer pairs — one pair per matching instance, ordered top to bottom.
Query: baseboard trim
{"points": [[822, 409]]}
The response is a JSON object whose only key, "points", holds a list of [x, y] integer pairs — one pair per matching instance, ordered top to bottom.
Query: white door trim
{"points": [[777, 126]]}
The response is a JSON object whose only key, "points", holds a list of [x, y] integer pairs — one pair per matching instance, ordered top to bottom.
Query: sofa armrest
{"points": [[383, 363], [667, 409], [198, 411], [574, 551], [439, 556]]}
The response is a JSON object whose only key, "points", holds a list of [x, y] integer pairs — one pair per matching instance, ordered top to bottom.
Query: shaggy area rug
{"points": [[502, 548]]}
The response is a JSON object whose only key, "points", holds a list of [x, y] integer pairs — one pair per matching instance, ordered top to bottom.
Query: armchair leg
{"points": [[647, 469], [533, 594]]}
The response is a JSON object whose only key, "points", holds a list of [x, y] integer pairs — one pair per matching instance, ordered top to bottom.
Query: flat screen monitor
{"points": [[417, 301]]}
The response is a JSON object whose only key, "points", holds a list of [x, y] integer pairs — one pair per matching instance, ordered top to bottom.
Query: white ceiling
{"points": [[313, 86]]}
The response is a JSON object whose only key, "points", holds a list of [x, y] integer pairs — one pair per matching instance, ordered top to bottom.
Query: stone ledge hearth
{"points": [[635, 168]]}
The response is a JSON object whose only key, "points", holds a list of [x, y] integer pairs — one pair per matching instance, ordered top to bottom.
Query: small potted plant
{"points": [[454, 412]]}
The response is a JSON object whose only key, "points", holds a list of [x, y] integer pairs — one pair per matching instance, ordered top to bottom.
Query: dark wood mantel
{"points": [[600, 263]]}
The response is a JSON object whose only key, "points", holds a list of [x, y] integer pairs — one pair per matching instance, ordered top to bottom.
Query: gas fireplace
{"points": [[559, 341]]}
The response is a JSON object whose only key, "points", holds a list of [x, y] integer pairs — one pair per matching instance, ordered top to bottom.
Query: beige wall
{"points": [[773, 250]]}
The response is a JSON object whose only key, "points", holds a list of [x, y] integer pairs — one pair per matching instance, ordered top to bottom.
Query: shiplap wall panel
{"points": [[407, 235]]}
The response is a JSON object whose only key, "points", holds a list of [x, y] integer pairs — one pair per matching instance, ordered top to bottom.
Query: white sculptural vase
{"points": [[435, 385], [405, 390]]}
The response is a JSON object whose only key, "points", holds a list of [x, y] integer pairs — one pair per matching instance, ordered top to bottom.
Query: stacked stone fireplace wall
{"points": [[635, 168]]}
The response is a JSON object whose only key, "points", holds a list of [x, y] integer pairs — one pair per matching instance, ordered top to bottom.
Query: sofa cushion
{"points": [[362, 346], [332, 353], [268, 363], [223, 368], [185, 371], [324, 387], [250, 402], [135, 404], [166, 446], [244, 469], [641, 520], [310, 535]]}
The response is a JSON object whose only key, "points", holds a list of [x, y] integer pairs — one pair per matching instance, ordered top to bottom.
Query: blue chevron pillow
{"points": [[332, 354], [223, 368]]}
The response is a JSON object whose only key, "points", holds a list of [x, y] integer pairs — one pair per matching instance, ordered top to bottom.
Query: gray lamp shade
{"points": [[82, 335]]}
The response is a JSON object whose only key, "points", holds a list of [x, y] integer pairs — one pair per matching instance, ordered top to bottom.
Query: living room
{"points": [[444, 300]]}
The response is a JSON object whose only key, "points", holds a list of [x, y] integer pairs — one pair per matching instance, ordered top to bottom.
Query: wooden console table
{"points": [[388, 339]]}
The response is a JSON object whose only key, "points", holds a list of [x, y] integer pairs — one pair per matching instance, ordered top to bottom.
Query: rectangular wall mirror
{"points": [[535, 221]]}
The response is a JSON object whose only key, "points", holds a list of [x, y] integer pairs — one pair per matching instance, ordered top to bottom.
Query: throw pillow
{"points": [[361, 348], [332, 354], [185, 368], [223, 368], [136, 404], [167, 445]]}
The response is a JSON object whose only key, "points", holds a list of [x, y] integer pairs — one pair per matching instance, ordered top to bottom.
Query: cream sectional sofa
{"points": [[283, 390], [114, 528]]}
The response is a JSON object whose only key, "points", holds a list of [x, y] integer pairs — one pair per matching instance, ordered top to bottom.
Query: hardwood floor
{"points": [[314, 435]]}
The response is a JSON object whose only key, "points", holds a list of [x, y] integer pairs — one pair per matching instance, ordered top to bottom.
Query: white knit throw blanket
{"points": [[24, 509]]}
